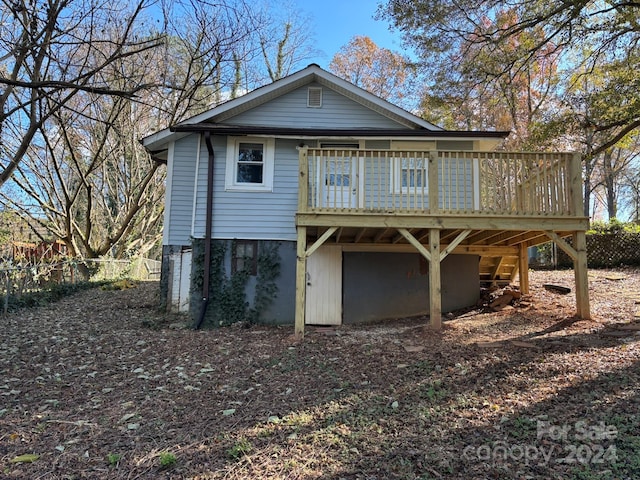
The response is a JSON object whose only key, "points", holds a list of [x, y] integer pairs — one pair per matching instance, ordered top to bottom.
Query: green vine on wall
{"points": [[228, 303]]}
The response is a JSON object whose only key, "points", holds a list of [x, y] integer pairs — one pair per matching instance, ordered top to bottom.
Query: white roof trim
{"points": [[307, 75]]}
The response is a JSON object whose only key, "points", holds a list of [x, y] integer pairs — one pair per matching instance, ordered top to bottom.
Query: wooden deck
{"points": [[491, 204]]}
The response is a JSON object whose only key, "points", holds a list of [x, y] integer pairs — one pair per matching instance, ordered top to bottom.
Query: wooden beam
{"points": [[303, 180], [432, 182], [575, 186], [440, 222], [380, 233], [339, 234], [359, 235], [481, 236], [399, 237], [444, 237], [485, 237], [507, 238], [544, 238], [525, 239], [318, 243], [454, 244], [417, 245], [568, 249], [484, 251], [523, 267], [496, 268], [514, 270], [581, 273], [301, 281], [435, 288]]}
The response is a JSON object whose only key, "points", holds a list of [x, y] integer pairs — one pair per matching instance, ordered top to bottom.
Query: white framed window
{"points": [[250, 164], [410, 175]]}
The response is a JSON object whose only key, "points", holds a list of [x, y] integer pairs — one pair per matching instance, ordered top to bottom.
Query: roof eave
{"points": [[331, 132]]}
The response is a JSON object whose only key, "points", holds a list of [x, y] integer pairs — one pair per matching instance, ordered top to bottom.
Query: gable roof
{"points": [[210, 119]]}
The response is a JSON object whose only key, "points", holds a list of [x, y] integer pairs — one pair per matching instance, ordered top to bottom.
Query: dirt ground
{"points": [[103, 385]]}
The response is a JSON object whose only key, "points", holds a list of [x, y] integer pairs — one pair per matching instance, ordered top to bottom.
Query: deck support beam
{"points": [[379, 234], [320, 241], [457, 241], [416, 244], [568, 249], [578, 253], [433, 255], [523, 267], [496, 269], [581, 273], [301, 281], [435, 288]]}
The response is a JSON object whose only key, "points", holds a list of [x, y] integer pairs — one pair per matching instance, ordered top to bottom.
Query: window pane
{"points": [[250, 152], [249, 173], [412, 178], [337, 180], [244, 257]]}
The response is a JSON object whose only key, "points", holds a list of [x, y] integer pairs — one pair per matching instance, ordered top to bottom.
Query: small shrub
{"points": [[613, 226], [241, 448], [114, 459], [167, 459]]}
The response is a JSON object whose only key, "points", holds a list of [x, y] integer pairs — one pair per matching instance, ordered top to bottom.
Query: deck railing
{"points": [[439, 182]]}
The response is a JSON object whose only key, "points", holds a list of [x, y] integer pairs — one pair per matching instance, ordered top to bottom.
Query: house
{"points": [[312, 201]]}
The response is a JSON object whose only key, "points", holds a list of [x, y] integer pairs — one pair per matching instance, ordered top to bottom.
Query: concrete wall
{"points": [[377, 286], [280, 308]]}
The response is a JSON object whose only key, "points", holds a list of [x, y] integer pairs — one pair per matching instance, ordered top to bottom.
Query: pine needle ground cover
{"points": [[103, 385]]}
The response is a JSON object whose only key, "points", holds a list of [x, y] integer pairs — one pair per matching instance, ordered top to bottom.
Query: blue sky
{"points": [[335, 22]]}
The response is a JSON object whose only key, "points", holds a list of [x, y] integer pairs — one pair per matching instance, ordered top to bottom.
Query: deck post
{"points": [[432, 174], [303, 180], [575, 185], [523, 268], [581, 273], [301, 281], [435, 289]]}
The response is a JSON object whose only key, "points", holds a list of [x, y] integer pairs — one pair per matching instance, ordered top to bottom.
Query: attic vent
{"points": [[314, 97]]}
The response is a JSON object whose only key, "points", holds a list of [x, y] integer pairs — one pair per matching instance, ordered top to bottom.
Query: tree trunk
{"points": [[609, 184]]}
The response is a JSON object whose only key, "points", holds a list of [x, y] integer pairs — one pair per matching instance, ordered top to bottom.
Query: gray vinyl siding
{"points": [[290, 110], [182, 184], [250, 215]]}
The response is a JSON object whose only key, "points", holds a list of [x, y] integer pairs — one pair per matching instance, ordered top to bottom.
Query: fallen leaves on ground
{"points": [[103, 385]]}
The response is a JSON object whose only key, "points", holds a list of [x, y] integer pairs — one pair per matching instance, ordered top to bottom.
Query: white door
{"points": [[339, 182], [324, 286]]}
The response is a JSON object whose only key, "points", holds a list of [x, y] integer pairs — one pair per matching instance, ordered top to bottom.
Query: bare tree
{"points": [[286, 41], [283, 42], [50, 51], [84, 177]]}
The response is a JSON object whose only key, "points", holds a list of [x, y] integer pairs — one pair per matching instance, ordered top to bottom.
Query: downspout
{"points": [[207, 233]]}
